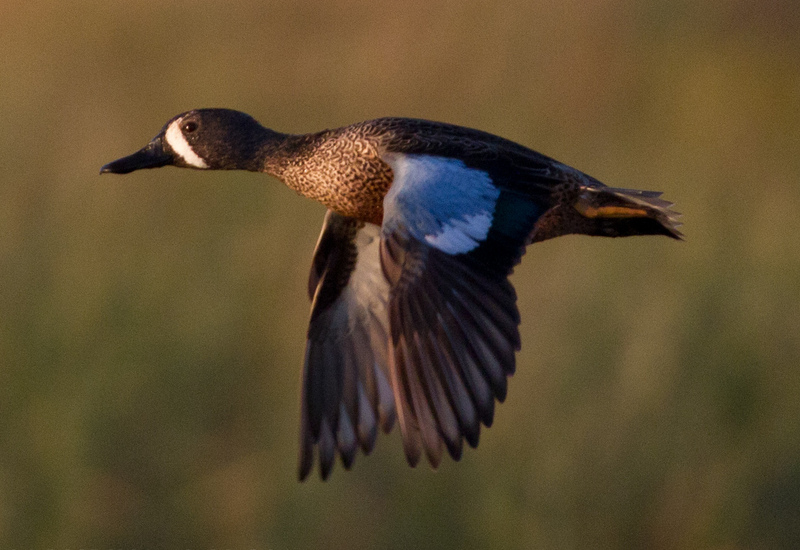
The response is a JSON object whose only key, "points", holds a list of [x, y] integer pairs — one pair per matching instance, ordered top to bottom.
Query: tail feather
{"points": [[622, 212]]}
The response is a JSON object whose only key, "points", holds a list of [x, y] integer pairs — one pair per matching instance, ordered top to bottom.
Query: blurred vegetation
{"points": [[152, 326]]}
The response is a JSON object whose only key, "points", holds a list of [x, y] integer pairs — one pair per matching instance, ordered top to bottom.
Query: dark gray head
{"points": [[216, 139]]}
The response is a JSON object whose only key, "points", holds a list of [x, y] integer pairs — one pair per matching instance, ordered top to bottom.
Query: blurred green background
{"points": [[152, 326]]}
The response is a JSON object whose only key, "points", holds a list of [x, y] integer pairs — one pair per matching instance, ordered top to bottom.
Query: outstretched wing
{"points": [[450, 238], [346, 392]]}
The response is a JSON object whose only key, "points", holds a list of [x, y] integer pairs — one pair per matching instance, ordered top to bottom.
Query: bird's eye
{"points": [[190, 126]]}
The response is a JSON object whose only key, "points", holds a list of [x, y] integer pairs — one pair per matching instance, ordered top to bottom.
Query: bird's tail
{"points": [[621, 212]]}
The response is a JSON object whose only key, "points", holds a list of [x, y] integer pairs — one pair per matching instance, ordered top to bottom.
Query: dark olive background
{"points": [[152, 326]]}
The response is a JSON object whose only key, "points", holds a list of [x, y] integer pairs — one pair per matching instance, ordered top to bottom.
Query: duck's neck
{"points": [[260, 152], [273, 152], [280, 155], [346, 175]]}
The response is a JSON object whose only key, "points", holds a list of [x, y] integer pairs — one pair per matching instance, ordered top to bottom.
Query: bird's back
{"points": [[346, 168]]}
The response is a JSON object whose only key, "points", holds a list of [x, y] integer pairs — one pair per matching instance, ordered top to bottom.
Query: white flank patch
{"points": [[178, 143], [461, 235]]}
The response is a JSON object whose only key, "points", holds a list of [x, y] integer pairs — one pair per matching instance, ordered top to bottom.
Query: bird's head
{"points": [[216, 139]]}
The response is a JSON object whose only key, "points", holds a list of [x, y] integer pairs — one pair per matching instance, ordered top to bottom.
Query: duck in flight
{"points": [[413, 318]]}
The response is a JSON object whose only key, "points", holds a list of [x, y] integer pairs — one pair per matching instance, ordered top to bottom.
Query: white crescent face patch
{"points": [[178, 143]]}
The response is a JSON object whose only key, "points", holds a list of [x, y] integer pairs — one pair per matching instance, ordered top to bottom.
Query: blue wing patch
{"points": [[440, 201]]}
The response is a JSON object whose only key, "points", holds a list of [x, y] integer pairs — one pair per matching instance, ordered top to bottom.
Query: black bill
{"points": [[152, 155]]}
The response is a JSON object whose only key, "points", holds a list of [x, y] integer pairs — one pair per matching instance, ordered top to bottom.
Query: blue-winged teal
{"points": [[412, 314]]}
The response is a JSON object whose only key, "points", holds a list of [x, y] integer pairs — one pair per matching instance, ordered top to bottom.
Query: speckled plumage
{"points": [[340, 168], [413, 317]]}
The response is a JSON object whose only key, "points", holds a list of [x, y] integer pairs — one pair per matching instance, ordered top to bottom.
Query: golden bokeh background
{"points": [[152, 326]]}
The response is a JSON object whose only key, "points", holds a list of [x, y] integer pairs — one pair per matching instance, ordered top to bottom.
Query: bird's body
{"points": [[412, 314]]}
